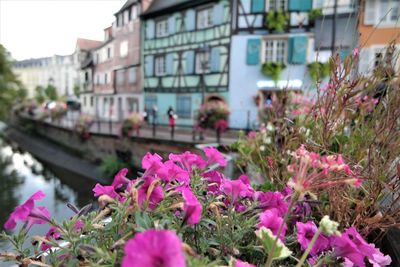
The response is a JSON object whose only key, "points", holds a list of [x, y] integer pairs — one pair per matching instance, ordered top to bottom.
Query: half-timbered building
{"points": [[254, 42], [186, 49]]}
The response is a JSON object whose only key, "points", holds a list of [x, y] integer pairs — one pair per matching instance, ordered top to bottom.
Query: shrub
{"points": [[277, 20], [273, 70]]}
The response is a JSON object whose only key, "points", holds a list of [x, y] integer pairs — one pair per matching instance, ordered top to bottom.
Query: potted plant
{"points": [[314, 14], [277, 20], [273, 69], [318, 70], [132, 122], [83, 125]]}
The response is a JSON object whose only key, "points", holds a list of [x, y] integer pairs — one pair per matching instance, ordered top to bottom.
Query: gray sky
{"points": [[39, 28]]}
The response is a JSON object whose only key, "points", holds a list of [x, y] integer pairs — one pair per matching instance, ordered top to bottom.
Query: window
{"points": [[275, 5], [389, 11], [134, 12], [126, 17], [205, 18], [162, 28], [123, 49], [275, 51], [108, 52], [97, 57], [202, 62], [160, 65], [132, 75], [120, 77], [105, 78], [97, 79], [84, 101], [91, 101], [149, 102], [184, 106]]}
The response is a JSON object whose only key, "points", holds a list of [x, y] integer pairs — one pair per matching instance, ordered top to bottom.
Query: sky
{"points": [[40, 28]]}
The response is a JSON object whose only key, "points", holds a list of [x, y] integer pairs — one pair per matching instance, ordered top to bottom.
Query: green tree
{"points": [[11, 89], [77, 90], [51, 92], [40, 95]]}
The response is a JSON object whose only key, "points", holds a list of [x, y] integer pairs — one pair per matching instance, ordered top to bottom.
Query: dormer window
{"points": [[205, 18], [162, 28]]}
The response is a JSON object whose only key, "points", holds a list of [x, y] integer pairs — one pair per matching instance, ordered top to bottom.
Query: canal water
{"points": [[21, 175]]}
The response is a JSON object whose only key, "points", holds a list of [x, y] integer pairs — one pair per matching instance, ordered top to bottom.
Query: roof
{"points": [[126, 5], [159, 7], [87, 44]]}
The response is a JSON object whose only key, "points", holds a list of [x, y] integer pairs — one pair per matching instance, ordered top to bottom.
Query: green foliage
{"points": [[314, 14], [277, 20], [273, 70], [318, 70], [12, 90], [77, 90], [51, 92], [40, 95], [110, 165]]}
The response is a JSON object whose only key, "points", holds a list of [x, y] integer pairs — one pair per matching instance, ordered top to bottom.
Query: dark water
{"points": [[21, 175]]}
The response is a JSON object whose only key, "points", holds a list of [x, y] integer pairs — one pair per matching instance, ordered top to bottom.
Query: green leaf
{"points": [[267, 239]]}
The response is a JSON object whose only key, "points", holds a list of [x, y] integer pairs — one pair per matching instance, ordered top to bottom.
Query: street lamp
{"points": [[204, 56]]}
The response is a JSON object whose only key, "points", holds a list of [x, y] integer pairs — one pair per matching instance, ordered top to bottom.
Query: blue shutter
{"points": [[300, 5], [257, 6], [218, 14], [190, 20], [172, 24], [150, 29], [298, 49], [253, 51], [344, 52], [215, 59], [189, 62], [169, 63], [148, 66]]}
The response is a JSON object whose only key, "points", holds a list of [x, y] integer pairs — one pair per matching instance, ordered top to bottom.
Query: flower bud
{"points": [[328, 226]]}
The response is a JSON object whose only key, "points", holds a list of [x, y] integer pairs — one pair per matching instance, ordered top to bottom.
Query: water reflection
{"points": [[21, 175]]}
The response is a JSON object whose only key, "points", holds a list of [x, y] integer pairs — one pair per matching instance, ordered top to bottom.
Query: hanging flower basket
{"points": [[277, 21], [273, 70], [318, 70], [211, 113], [132, 122], [83, 125]]}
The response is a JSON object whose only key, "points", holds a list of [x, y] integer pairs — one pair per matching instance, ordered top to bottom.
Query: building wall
{"points": [[179, 49]]}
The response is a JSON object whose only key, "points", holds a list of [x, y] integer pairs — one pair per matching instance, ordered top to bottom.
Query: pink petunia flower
{"points": [[214, 156], [188, 160], [154, 166], [174, 172], [120, 179], [214, 180], [235, 189], [108, 190], [156, 196], [272, 200], [192, 207], [27, 212], [270, 219], [305, 232], [52, 234], [154, 249], [354, 249], [239, 263]]}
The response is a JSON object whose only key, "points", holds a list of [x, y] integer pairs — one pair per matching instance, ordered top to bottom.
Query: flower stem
{"points": [[310, 246], [271, 253]]}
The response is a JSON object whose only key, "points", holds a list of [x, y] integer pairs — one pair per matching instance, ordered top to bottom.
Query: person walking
{"points": [[171, 120]]}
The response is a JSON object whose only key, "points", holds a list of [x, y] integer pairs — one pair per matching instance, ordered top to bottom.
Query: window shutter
{"points": [[295, 4], [257, 6], [370, 12], [218, 14], [190, 20], [171, 24], [150, 29], [297, 49], [253, 51], [344, 52], [215, 59], [189, 62], [169, 63], [149, 66]]}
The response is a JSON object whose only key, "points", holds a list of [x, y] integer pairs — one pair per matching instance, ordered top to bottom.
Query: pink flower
{"points": [[356, 52], [221, 125], [252, 135], [214, 156], [187, 160], [153, 165], [174, 172], [120, 179], [214, 180], [235, 189], [108, 190], [156, 196], [272, 200], [192, 206], [27, 212], [270, 219], [79, 225], [305, 232], [53, 234], [353, 248], [154, 249], [239, 263]]}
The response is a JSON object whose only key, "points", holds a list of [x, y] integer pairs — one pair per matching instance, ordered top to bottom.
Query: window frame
{"points": [[269, 8], [210, 18], [387, 21], [165, 28], [274, 50], [123, 55], [198, 64], [130, 71], [157, 71], [120, 74], [185, 114]]}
